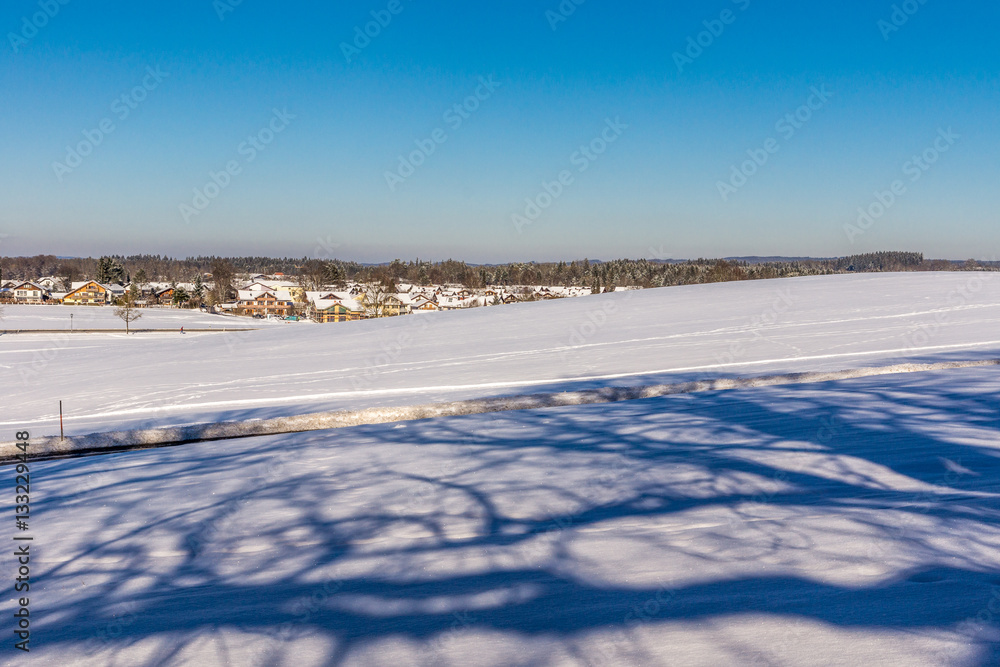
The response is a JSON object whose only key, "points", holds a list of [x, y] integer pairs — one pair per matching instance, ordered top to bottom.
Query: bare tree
{"points": [[223, 274], [313, 274], [376, 297], [373, 299], [127, 309]]}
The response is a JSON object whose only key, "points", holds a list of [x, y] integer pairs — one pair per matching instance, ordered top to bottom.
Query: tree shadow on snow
{"points": [[480, 523]]}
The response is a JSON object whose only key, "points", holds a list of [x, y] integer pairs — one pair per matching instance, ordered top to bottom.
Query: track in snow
{"points": [[93, 443]]}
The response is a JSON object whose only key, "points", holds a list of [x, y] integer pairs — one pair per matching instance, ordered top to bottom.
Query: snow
{"points": [[57, 317], [628, 338], [318, 421], [844, 522]]}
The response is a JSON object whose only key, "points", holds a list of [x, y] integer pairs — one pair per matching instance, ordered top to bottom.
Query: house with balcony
{"points": [[28, 292], [88, 293], [265, 303], [423, 304], [325, 307]]}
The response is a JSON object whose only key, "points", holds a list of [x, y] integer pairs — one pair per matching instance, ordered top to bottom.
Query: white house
{"points": [[29, 292]]}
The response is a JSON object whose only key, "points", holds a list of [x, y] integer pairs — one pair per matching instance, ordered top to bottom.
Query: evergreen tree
{"points": [[110, 271], [333, 274], [595, 286], [199, 290], [181, 297]]}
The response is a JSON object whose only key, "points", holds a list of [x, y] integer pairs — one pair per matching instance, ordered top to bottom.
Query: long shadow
{"points": [[270, 548]]}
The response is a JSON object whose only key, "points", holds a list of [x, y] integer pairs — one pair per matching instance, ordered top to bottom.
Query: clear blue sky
{"points": [[320, 187]]}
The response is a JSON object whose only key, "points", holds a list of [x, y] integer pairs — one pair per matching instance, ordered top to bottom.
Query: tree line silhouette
{"points": [[596, 274]]}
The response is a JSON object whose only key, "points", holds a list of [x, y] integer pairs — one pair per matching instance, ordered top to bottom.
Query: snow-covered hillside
{"points": [[108, 381], [835, 523], [845, 523]]}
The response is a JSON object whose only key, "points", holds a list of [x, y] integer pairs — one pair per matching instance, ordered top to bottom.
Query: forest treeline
{"points": [[599, 275]]}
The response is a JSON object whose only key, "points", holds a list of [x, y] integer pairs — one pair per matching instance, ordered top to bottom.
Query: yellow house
{"points": [[91, 293], [391, 304], [331, 308]]}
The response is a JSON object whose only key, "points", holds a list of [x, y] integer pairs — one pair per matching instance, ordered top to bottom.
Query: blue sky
{"points": [[669, 131]]}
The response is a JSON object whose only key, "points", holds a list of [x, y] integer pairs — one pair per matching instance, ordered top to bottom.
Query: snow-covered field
{"points": [[103, 317], [109, 381], [836, 523], [847, 523]]}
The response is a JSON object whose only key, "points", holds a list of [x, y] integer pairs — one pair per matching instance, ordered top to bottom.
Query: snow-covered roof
{"points": [[27, 284], [77, 284], [270, 285], [251, 294], [325, 299], [455, 303]]}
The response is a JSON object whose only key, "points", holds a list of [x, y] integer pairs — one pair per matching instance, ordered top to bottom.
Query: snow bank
{"points": [[158, 437]]}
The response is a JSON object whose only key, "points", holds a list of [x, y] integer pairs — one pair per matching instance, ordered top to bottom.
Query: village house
{"points": [[50, 283], [29, 292], [88, 293], [163, 296], [277, 296], [264, 303], [423, 304], [392, 305], [327, 307]]}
